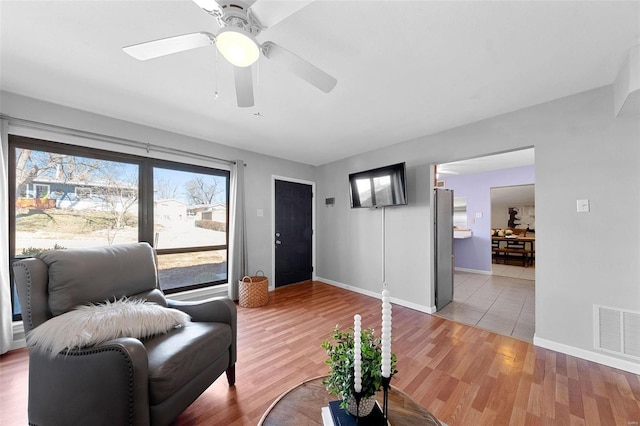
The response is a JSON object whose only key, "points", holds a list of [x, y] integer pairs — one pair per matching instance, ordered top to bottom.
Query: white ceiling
{"points": [[404, 68], [504, 160], [512, 195], [521, 195]]}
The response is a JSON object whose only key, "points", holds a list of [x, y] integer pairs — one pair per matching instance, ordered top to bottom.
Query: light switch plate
{"points": [[583, 206], [260, 213]]}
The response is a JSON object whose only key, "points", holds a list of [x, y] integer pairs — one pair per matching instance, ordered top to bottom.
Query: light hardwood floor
{"points": [[462, 374]]}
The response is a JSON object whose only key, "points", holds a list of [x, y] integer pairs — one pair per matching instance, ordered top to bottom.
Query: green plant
{"points": [[32, 251], [340, 380]]}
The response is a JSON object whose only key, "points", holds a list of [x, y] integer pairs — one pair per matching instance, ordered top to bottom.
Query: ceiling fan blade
{"points": [[209, 6], [270, 13], [167, 46], [303, 69], [244, 86]]}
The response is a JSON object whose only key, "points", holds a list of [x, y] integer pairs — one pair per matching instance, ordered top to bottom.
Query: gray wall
{"points": [[582, 151], [258, 173], [349, 241]]}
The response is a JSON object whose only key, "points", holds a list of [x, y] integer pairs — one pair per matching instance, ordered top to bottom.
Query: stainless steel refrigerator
{"points": [[444, 261]]}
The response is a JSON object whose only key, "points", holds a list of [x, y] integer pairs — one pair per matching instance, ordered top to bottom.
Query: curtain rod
{"points": [[106, 138]]}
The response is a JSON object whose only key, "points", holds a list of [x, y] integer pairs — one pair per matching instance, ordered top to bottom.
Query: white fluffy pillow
{"points": [[92, 324]]}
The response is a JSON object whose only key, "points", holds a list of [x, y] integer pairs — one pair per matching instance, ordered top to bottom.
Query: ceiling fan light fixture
{"points": [[237, 46]]}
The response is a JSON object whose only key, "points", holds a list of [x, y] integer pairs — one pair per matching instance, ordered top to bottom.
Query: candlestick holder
{"points": [[386, 383], [357, 396]]}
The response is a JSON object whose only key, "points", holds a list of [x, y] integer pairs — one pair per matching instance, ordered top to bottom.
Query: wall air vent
{"points": [[617, 331]]}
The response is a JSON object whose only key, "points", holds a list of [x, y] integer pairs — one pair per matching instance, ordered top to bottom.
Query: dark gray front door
{"points": [[293, 238]]}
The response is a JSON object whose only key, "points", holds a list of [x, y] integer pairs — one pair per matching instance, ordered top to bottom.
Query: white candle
{"points": [[386, 334], [357, 354]]}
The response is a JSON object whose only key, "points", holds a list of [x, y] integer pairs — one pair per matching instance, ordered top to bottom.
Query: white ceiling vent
{"points": [[617, 331]]}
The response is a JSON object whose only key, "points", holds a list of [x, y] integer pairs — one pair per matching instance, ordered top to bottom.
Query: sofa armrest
{"points": [[32, 278], [219, 309], [104, 384]]}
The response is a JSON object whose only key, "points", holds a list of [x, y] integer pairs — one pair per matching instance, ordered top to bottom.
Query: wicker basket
{"points": [[254, 291]]}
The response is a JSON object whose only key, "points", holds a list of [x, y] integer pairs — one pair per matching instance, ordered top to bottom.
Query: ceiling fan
{"points": [[236, 41]]}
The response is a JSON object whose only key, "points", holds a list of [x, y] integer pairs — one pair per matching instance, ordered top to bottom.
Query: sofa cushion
{"points": [[93, 275], [180, 355]]}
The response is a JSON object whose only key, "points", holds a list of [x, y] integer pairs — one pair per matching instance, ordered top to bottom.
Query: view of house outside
{"points": [[65, 201], [71, 202], [189, 211]]}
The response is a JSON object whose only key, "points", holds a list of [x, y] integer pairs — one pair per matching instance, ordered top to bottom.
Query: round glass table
{"points": [[302, 404]]}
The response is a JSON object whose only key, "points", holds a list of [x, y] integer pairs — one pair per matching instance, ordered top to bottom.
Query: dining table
{"points": [[527, 239], [528, 246]]}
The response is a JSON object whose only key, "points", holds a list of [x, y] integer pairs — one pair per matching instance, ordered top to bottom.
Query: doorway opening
{"points": [[513, 231], [501, 304]]}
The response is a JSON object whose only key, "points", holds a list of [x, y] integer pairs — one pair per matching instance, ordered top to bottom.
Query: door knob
{"points": [[277, 234], [278, 242]]}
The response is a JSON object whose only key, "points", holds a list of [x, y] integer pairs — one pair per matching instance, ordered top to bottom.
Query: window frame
{"points": [[153, 163], [41, 185], [145, 194]]}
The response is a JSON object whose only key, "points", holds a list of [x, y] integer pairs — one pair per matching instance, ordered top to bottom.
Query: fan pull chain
{"points": [[215, 80], [257, 114]]}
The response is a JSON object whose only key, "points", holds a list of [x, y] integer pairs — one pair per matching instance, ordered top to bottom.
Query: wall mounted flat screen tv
{"points": [[384, 186]]}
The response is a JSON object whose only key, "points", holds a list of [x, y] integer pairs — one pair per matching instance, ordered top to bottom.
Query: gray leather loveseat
{"points": [[125, 381]]}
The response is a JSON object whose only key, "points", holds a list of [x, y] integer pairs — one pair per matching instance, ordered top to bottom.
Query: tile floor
{"points": [[512, 271], [502, 302]]}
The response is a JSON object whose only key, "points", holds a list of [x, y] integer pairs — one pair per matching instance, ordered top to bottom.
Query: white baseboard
{"points": [[474, 271], [410, 305], [19, 340], [18, 344], [600, 358]]}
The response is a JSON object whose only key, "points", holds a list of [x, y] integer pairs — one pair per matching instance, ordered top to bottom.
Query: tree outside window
{"points": [[71, 197]]}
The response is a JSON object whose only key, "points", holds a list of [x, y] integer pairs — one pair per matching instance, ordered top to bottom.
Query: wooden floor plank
{"points": [[462, 374], [575, 399], [459, 400], [521, 400], [535, 405], [605, 411], [591, 414]]}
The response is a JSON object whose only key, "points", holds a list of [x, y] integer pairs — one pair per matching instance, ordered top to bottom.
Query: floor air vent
{"points": [[617, 331]]}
